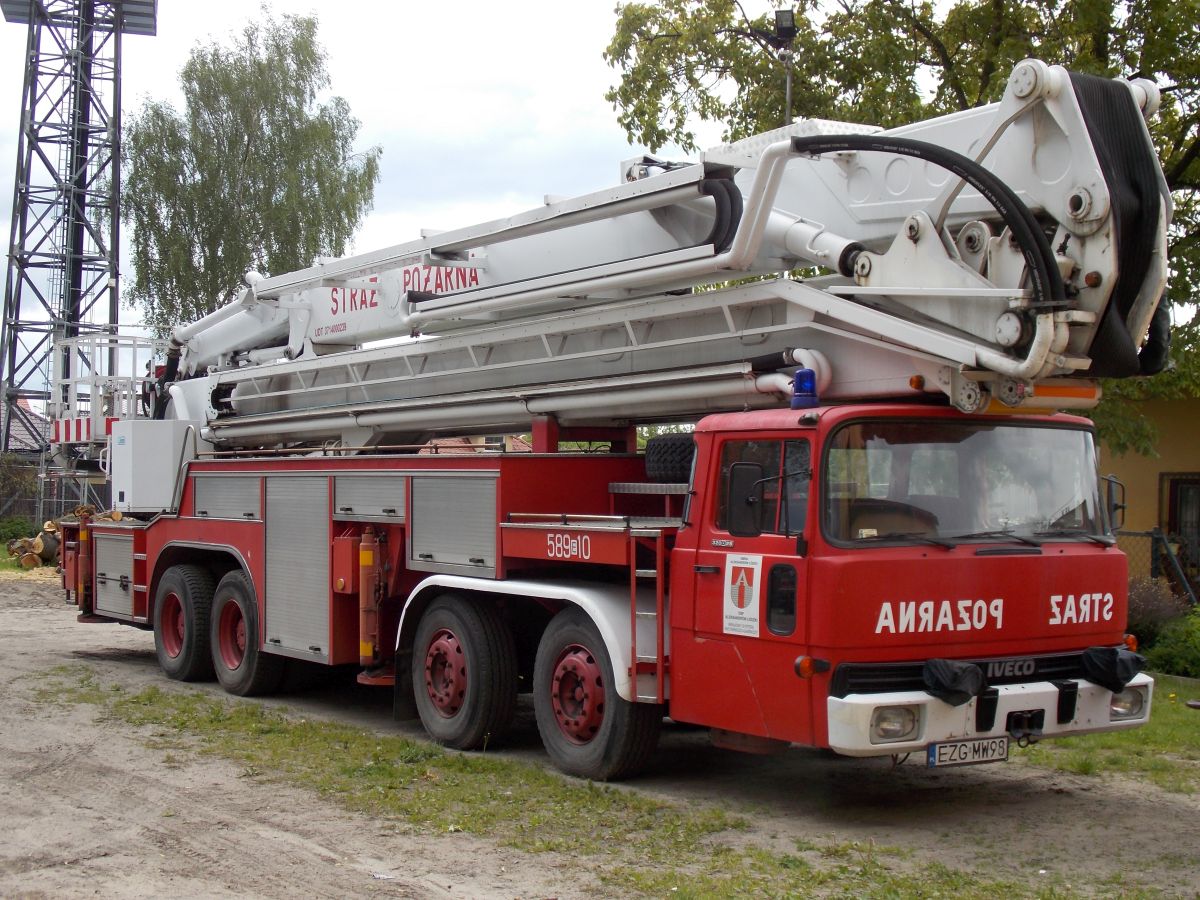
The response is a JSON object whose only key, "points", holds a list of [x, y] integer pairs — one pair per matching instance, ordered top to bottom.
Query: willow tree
{"points": [[889, 62], [256, 172]]}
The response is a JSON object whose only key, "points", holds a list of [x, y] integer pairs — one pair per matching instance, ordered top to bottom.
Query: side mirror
{"points": [[745, 495], [1114, 501]]}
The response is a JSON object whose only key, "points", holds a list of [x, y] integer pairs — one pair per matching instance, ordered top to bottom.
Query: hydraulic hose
{"points": [[729, 211], [720, 228], [1045, 280], [170, 370]]}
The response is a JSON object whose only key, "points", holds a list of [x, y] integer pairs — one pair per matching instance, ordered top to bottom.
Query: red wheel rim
{"points": [[172, 625], [232, 635], [446, 673], [577, 694]]}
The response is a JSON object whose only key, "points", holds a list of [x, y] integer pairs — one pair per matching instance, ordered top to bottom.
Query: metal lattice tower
{"points": [[63, 249]]}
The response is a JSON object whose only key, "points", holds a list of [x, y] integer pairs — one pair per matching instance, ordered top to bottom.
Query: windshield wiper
{"points": [[1006, 533], [909, 536], [1101, 539]]}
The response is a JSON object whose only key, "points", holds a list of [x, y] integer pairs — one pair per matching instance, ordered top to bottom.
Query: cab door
{"points": [[750, 594]]}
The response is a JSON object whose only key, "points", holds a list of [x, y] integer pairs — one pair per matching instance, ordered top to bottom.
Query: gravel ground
{"points": [[92, 809]]}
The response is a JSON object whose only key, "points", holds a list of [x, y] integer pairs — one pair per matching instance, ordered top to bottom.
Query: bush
{"points": [[13, 528], [1152, 605], [1177, 650]]}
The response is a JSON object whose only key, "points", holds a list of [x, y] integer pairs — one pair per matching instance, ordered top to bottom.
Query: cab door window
{"points": [[786, 475]]}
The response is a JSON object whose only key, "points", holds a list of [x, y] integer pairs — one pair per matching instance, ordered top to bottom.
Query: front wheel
{"points": [[241, 666], [587, 728]]}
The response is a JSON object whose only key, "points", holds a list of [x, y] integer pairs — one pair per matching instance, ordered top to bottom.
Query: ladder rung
{"points": [[646, 573], [646, 615], [648, 698]]}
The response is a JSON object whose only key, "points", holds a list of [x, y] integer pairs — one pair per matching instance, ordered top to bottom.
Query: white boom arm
{"points": [[1012, 253]]}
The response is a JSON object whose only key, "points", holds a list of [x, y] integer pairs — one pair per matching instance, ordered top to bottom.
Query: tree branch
{"points": [[992, 49], [945, 60], [1181, 166]]}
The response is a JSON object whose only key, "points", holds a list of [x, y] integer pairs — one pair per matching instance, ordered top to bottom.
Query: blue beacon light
{"points": [[804, 389]]}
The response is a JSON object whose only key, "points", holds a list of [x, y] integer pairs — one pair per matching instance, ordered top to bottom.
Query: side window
{"points": [[766, 454], [787, 472], [797, 472]]}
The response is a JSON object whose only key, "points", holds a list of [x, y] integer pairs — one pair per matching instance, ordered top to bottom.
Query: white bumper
{"points": [[850, 716]]}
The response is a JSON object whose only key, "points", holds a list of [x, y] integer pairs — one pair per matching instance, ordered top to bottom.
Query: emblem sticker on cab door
{"points": [[741, 594]]}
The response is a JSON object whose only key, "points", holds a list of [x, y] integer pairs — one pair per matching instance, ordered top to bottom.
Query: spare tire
{"points": [[669, 458]]}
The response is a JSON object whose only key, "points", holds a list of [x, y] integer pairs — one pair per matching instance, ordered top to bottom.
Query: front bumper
{"points": [[850, 716]]}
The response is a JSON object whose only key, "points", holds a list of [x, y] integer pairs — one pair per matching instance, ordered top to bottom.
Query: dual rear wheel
{"points": [[204, 628]]}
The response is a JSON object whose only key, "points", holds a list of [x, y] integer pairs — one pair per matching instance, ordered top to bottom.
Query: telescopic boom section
{"points": [[1010, 254]]}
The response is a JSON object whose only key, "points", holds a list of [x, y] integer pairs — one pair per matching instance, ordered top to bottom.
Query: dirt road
{"points": [[90, 808]]}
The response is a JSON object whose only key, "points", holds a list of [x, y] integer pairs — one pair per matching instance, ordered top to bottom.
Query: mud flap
{"points": [[404, 707]]}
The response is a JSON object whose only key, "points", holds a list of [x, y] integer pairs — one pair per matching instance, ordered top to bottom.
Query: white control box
{"points": [[145, 457]]}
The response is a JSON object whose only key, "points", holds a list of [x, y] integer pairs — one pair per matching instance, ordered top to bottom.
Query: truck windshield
{"points": [[907, 481]]}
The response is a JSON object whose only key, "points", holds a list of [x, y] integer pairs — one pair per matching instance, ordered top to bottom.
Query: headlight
{"points": [[1129, 704], [894, 723]]}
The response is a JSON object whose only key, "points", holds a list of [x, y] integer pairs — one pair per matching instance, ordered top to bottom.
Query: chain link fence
{"points": [[33, 496], [1155, 554]]}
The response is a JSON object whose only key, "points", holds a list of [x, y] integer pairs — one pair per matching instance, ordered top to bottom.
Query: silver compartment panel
{"points": [[227, 497], [369, 497], [453, 526], [114, 559], [297, 566]]}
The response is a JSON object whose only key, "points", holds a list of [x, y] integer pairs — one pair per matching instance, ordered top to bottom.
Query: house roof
{"points": [[29, 431], [512, 444]]}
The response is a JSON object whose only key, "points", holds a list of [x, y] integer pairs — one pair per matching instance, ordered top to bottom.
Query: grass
{"points": [[8, 563], [1165, 752], [631, 843]]}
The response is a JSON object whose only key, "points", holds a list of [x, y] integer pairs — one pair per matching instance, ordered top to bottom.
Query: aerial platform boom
{"points": [[1010, 254]]}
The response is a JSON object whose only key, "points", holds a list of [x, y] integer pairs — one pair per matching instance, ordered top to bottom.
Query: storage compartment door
{"points": [[454, 524], [297, 566], [114, 574]]}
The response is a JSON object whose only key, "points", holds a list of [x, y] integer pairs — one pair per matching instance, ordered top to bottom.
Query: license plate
{"points": [[966, 753]]}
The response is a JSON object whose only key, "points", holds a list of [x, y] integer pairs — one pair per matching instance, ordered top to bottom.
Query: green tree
{"points": [[889, 62], [255, 173]]}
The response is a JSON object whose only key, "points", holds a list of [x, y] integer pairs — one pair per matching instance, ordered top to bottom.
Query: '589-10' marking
{"points": [[568, 546]]}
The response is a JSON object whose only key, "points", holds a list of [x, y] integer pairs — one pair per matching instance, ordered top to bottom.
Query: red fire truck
{"points": [[884, 531]]}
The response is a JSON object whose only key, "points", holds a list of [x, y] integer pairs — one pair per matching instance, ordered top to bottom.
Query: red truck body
{"points": [[800, 633]]}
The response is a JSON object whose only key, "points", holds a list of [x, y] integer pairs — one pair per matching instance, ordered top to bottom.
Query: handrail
{"points": [[182, 466]]}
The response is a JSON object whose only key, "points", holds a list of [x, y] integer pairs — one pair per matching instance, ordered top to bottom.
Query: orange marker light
{"points": [[808, 666]]}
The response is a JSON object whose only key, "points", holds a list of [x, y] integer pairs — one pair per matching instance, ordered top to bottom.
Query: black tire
{"points": [[669, 458], [181, 612], [241, 666], [464, 673], [587, 732]]}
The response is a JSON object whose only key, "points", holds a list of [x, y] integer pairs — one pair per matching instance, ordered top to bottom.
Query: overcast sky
{"points": [[481, 108]]}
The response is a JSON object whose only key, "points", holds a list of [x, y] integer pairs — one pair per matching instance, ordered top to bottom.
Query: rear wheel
{"points": [[181, 611], [241, 667], [464, 672], [587, 728]]}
